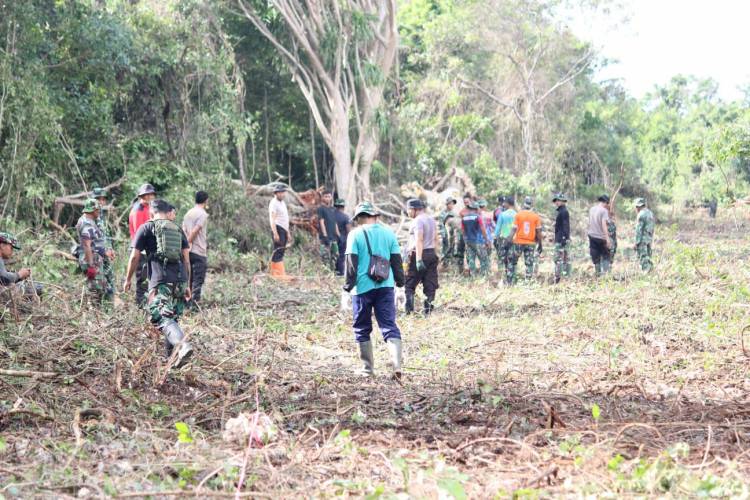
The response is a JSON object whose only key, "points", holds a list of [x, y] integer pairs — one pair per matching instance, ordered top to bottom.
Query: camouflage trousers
{"points": [[504, 249], [643, 250], [474, 252], [329, 254], [529, 258], [562, 262], [102, 286], [166, 302]]}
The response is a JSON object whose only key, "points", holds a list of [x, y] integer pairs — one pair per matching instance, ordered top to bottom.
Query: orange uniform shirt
{"points": [[527, 223]]}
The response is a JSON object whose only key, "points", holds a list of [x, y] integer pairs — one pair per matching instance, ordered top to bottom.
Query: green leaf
{"points": [[596, 412], [184, 435], [453, 488]]}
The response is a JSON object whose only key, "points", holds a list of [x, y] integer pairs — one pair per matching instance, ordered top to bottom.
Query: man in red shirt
{"points": [[140, 213]]}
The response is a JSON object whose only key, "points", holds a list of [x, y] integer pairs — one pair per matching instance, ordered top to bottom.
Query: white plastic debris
{"points": [[400, 299], [346, 301], [256, 427]]}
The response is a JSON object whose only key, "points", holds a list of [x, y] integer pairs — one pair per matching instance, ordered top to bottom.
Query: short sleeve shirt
{"points": [[277, 209], [598, 215], [197, 216], [328, 216], [342, 220], [505, 222], [527, 223], [426, 226], [89, 230], [383, 242], [158, 273]]}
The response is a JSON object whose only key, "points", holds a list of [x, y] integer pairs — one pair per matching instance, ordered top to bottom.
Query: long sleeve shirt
{"points": [[562, 225], [7, 277]]}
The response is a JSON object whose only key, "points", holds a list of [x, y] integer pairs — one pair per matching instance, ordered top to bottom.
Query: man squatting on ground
{"points": [[194, 226], [8, 243], [167, 251], [421, 256], [373, 267]]}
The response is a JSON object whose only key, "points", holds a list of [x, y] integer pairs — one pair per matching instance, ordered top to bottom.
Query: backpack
{"points": [[168, 241]]}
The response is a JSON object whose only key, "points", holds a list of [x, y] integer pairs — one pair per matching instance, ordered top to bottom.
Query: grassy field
{"points": [[627, 386]]}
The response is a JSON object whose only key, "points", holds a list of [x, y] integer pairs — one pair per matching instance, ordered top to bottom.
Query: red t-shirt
{"points": [[139, 215]]}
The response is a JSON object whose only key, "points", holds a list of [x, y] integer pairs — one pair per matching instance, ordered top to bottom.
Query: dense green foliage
{"points": [[187, 93]]}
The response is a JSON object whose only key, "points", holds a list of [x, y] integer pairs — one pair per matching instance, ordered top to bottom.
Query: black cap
{"points": [[279, 188], [500, 198], [604, 198], [510, 201], [415, 203]]}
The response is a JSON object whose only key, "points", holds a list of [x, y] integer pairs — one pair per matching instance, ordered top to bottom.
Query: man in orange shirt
{"points": [[526, 234]]}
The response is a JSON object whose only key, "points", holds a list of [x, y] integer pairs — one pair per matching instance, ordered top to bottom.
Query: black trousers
{"points": [[280, 247], [598, 251], [198, 266], [428, 277], [141, 281]]}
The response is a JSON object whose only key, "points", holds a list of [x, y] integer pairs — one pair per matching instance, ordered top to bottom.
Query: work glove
{"points": [[335, 248], [539, 249], [420, 266], [91, 272], [399, 283], [347, 287]]}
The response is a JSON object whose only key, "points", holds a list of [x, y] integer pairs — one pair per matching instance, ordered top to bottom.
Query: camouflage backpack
{"points": [[168, 241]]}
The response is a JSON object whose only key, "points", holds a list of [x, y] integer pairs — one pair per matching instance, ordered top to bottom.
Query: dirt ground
{"points": [[627, 386]]}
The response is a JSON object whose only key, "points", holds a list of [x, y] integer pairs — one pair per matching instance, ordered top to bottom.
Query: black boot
{"points": [[428, 307]]}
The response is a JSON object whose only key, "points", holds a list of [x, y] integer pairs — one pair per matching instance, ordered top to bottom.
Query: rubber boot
{"points": [[605, 266], [409, 307], [428, 307], [173, 337], [394, 348], [367, 358]]}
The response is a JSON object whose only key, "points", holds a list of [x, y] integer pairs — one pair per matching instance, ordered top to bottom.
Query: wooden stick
{"points": [[28, 373]]}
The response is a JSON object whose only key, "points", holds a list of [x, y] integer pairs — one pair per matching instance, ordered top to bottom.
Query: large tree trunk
{"points": [[341, 149]]}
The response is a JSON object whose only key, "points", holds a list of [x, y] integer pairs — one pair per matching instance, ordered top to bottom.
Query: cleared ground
{"points": [[625, 386]]}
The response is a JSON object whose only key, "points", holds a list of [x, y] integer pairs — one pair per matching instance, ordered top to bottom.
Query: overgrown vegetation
{"points": [[634, 385]]}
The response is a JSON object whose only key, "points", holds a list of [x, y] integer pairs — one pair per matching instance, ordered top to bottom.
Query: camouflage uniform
{"points": [[88, 229], [612, 232], [447, 235], [644, 235], [474, 252], [529, 258], [562, 261], [107, 266], [167, 302]]}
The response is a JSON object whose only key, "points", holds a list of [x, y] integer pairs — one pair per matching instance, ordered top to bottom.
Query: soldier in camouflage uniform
{"points": [[101, 195], [612, 234], [644, 234], [448, 235], [93, 253], [168, 278]]}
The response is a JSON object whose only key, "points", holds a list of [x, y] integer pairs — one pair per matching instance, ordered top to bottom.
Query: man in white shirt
{"points": [[279, 220], [194, 226]]}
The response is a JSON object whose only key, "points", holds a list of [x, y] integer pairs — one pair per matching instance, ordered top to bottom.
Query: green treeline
{"points": [[189, 93]]}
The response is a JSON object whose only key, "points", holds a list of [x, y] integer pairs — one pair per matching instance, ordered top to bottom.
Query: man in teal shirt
{"points": [[503, 232], [368, 296]]}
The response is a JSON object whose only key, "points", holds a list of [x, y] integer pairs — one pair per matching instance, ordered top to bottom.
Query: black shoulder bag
{"points": [[379, 269]]}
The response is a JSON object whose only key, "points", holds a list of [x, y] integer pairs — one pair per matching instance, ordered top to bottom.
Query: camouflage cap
{"points": [[99, 193], [559, 197], [450, 200], [527, 202], [640, 202], [339, 203], [482, 203], [473, 205], [90, 206], [366, 208], [10, 240]]}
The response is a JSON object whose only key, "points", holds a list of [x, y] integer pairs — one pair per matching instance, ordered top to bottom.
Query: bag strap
{"points": [[367, 240]]}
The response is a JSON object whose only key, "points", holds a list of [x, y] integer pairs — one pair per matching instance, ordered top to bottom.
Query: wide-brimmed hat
{"points": [[146, 189], [366, 208]]}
